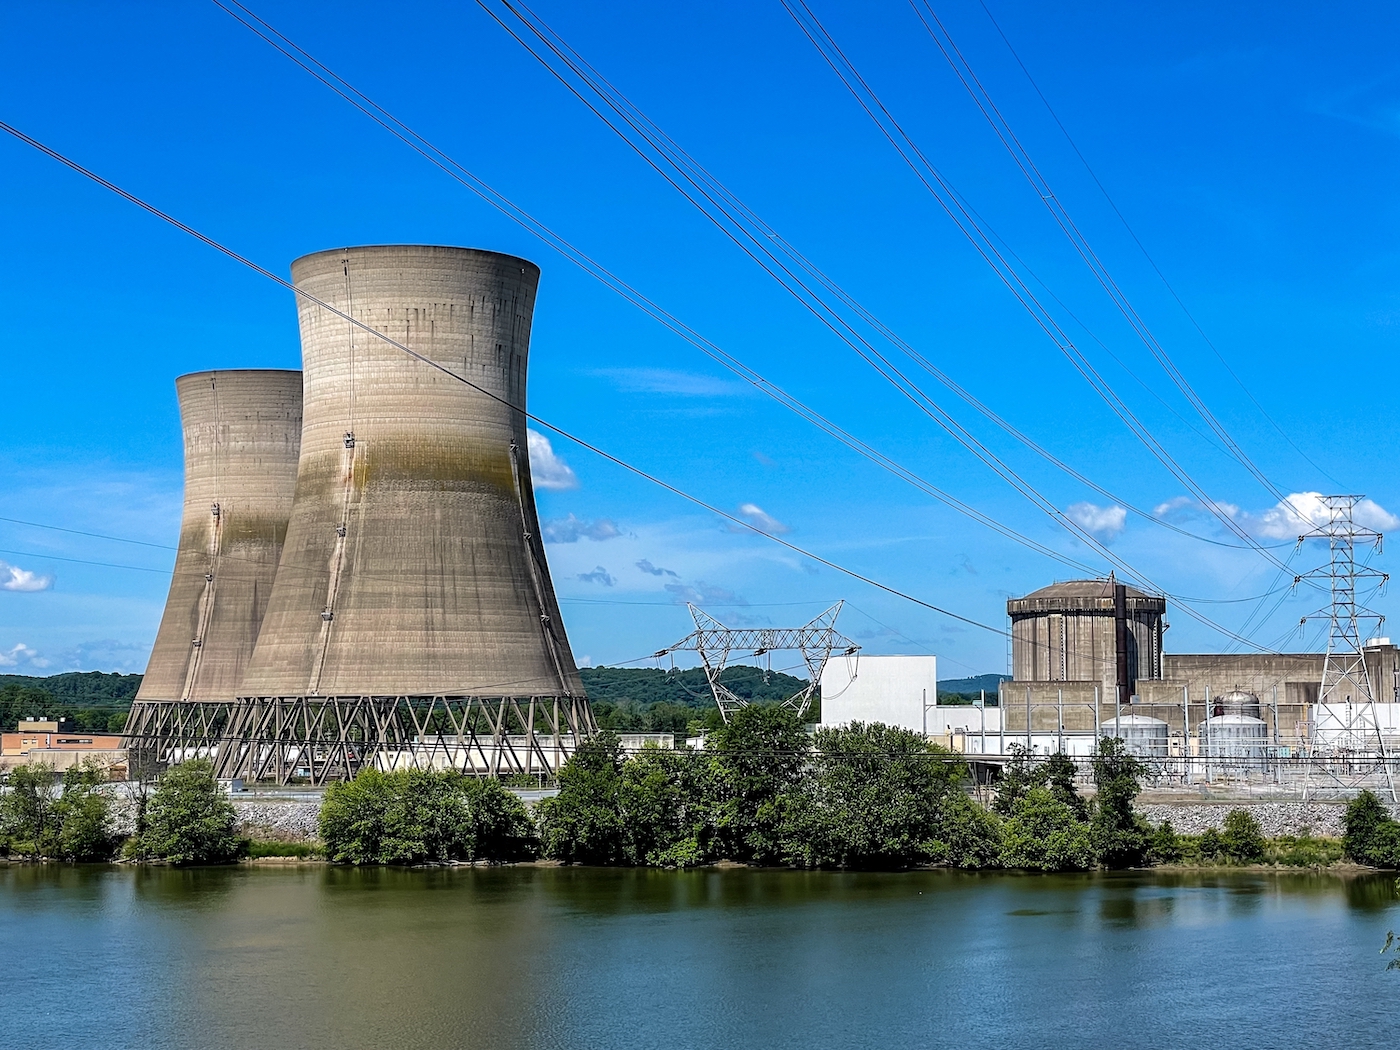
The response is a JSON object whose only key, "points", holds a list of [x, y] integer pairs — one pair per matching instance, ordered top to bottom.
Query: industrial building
{"points": [[361, 580], [60, 747]]}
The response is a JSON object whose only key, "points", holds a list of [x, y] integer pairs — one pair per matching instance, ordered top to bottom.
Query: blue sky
{"points": [[1252, 149]]}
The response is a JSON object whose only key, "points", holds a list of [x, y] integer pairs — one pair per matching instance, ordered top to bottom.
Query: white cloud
{"points": [[667, 381], [548, 469], [1174, 507], [1302, 510], [761, 520], [1107, 523], [572, 529], [598, 575], [22, 579], [703, 593], [22, 655]]}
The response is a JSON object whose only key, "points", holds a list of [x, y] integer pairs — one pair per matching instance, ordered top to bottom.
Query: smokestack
{"points": [[242, 435], [413, 565]]}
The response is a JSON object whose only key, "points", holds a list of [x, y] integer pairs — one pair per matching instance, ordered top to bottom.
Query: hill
{"points": [[966, 690], [89, 699], [649, 700]]}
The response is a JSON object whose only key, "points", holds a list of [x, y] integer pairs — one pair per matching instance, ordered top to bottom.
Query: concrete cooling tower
{"points": [[242, 432], [413, 619]]}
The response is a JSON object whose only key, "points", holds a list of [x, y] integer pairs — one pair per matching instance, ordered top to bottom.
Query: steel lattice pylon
{"points": [[716, 643], [1358, 744]]}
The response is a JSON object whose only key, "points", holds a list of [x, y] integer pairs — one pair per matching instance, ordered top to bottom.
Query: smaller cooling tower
{"points": [[242, 439]]}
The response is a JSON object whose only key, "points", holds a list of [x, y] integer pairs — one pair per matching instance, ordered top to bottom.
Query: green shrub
{"points": [[756, 761], [1060, 772], [1021, 773], [662, 800], [870, 800], [418, 816], [27, 819], [188, 820], [74, 822], [583, 823], [1043, 834], [1120, 835], [1372, 835], [970, 836], [1242, 841], [1164, 845], [1208, 845], [1304, 851]]}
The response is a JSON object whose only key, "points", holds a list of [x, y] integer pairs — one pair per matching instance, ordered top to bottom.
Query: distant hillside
{"points": [[966, 690], [88, 699], [649, 700]]}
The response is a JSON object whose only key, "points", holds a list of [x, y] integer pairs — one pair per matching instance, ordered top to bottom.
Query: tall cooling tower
{"points": [[242, 433], [413, 582]]}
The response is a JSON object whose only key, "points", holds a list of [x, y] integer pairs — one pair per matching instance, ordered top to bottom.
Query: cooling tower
{"points": [[242, 434], [413, 565]]}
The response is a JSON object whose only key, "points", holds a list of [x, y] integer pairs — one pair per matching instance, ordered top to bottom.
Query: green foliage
{"points": [[88, 700], [649, 700], [756, 761], [1059, 771], [1018, 776], [872, 799], [663, 804], [418, 816], [38, 818], [188, 819], [583, 823], [1044, 834], [1371, 834], [1120, 835], [970, 836], [1242, 840], [1164, 845], [1208, 845], [1303, 851]]}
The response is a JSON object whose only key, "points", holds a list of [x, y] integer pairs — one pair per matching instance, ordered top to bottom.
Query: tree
{"points": [[756, 760], [1059, 771], [1018, 776], [871, 800], [663, 805], [83, 815], [419, 816], [27, 817], [188, 819], [583, 823], [1043, 834], [1119, 834], [1370, 834], [970, 836], [1242, 839], [1164, 844]]}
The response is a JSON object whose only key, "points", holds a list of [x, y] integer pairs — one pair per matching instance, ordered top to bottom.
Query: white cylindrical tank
{"points": [[1144, 736], [1237, 739]]}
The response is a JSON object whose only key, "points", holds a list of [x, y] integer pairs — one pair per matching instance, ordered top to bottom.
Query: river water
{"points": [[582, 958]]}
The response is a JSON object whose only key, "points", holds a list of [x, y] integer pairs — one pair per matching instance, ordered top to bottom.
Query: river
{"points": [[313, 957]]}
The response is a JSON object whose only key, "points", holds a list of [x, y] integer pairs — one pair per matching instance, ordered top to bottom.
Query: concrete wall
{"points": [[242, 436], [413, 563], [888, 689]]}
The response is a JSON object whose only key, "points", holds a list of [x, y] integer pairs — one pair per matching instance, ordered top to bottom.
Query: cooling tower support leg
{"points": [[159, 733], [317, 740]]}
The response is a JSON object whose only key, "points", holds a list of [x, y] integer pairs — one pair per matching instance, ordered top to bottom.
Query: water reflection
{"points": [[537, 957]]}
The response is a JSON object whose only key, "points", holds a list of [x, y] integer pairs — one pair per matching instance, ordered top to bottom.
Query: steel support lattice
{"points": [[716, 643], [1357, 745]]}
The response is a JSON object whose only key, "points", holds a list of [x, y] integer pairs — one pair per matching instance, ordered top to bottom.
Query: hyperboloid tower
{"points": [[242, 432], [413, 621]]}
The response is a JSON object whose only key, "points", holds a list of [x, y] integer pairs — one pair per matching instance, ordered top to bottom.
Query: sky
{"points": [[1251, 149]]}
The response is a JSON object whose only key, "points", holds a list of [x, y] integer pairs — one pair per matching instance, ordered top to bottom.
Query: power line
{"points": [[760, 241], [1146, 255], [244, 261]]}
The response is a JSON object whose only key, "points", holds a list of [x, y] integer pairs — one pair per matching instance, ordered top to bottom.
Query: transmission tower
{"points": [[716, 643], [1346, 700]]}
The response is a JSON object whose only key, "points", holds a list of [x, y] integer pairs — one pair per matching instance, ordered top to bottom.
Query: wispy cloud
{"points": [[668, 381], [547, 467], [761, 520], [1107, 523], [572, 529], [655, 570], [598, 575], [13, 578], [702, 593], [22, 656]]}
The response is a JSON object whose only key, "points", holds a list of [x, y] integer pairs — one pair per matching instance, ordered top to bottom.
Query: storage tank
{"points": [[413, 566], [1235, 702], [1143, 736], [1238, 741]]}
